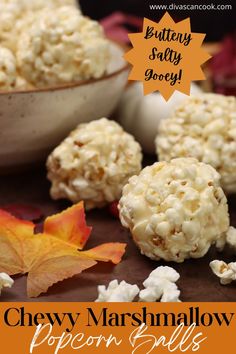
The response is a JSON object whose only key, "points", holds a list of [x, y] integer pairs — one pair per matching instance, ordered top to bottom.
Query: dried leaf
{"points": [[70, 226], [16, 244], [107, 252], [52, 256], [52, 270]]}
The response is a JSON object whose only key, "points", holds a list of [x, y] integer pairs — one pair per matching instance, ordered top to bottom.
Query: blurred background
{"points": [[126, 16], [216, 23]]}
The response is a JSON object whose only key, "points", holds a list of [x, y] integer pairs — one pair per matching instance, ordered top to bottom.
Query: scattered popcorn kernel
{"points": [[203, 127], [94, 163], [175, 210], [162, 272], [226, 272], [5, 281], [160, 285], [116, 292]]}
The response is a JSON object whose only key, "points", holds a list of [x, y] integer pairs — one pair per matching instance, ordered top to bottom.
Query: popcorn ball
{"points": [[17, 16], [62, 46], [7, 69], [203, 127], [94, 163], [175, 210]]}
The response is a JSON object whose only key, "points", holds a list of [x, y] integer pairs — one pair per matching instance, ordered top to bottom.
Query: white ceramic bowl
{"points": [[33, 122]]}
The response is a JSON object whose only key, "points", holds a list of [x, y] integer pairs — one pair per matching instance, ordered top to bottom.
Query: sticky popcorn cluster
{"points": [[51, 43], [204, 127], [84, 167], [175, 210]]}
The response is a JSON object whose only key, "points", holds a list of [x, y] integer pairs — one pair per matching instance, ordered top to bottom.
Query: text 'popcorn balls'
{"points": [[62, 46], [203, 127], [94, 163], [175, 210]]}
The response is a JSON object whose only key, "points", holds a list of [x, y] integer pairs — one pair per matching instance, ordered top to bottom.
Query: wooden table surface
{"points": [[197, 282]]}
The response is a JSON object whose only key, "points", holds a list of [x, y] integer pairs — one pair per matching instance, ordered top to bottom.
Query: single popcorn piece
{"points": [[61, 47], [7, 69], [203, 127], [94, 163], [175, 210], [226, 272], [166, 273], [5, 281], [160, 285], [116, 292]]}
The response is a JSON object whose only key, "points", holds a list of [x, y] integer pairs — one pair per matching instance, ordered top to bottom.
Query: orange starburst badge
{"points": [[167, 56]]}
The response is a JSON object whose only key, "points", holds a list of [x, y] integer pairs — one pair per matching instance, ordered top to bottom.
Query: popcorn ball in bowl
{"points": [[17, 15], [62, 47], [60, 63], [203, 127], [94, 163], [175, 210]]}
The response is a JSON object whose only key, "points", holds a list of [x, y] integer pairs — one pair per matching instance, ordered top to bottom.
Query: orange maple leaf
{"points": [[53, 255]]}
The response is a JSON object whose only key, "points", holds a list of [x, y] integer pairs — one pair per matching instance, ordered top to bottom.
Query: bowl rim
{"points": [[125, 67]]}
